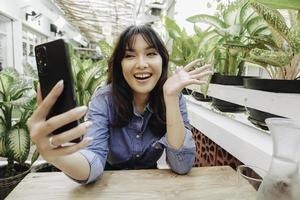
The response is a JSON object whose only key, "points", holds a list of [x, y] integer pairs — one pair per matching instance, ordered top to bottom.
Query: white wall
{"points": [[8, 8], [16, 10], [17, 45]]}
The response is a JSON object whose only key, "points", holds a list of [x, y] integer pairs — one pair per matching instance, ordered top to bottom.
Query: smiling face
{"points": [[141, 66]]}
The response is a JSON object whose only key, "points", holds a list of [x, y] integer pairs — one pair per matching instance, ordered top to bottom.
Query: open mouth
{"points": [[142, 76]]}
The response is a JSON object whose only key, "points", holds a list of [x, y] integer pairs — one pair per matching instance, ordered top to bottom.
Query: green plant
{"points": [[279, 4], [229, 39], [185, 48], [106, 49], [281, 60], [88, 75], [17, 102]]}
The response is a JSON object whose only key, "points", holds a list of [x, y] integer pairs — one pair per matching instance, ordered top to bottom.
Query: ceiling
{"points": [[97, 19]]}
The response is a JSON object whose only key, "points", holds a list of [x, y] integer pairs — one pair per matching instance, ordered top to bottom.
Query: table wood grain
{"points": [[211, 183]]}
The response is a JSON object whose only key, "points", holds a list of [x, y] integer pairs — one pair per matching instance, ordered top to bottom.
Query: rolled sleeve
{"points": [[181, 160], [96, 167]]}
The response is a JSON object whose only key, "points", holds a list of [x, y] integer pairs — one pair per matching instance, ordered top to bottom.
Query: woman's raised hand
{"points": [[186, 76], [52, 146]]}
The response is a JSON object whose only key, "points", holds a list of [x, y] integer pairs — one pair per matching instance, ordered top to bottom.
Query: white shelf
{"points": [[282, 104], [233, 133]]}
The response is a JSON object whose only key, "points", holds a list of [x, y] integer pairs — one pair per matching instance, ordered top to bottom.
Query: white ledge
{"points": [[282, 104], [233, 133]]}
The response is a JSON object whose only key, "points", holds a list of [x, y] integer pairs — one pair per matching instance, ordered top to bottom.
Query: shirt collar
{"points": [[147, 108]]}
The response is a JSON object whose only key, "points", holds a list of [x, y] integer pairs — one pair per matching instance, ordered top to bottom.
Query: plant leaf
{"points": [[280, 4], [246, 13], [232, 15], [212, 20], [277, 22], [255, 24], [172, 28], [198, 30], [262, 31], [207, 37], [264, 40], [240, 47], [106, 49], [276, 59], [23, 101], [19, 143], [2, 144], [35, 156]]}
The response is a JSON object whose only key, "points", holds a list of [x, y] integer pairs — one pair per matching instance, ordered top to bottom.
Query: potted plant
{"points": [[227, 42], [185, 49], [281, 60], [88, 75], [17, 102]]}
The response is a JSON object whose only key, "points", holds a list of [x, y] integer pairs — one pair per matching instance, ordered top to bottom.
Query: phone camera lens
{"points": [[41, 59]]}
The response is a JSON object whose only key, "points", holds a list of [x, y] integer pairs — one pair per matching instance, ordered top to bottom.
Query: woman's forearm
{"points": [[175, 124], [74, 165]]}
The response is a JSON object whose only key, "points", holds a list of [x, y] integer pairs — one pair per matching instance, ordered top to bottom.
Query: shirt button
{"points": [[137, 136], [137, 155]]}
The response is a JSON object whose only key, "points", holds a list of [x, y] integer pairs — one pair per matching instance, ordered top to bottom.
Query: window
{"points": [[30, 39], [24, 49]]}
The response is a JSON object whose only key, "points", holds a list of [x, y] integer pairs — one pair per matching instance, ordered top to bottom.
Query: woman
{"points": [[130, 120]]}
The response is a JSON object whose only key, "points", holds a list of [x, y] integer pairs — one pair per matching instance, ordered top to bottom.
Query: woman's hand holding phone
{"points": [[52, 146]]}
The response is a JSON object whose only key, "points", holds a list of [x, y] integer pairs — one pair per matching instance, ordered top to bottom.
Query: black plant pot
{"points": [[281, 86], [200, 97], [225, 106], [258, 118], [7, 184]]}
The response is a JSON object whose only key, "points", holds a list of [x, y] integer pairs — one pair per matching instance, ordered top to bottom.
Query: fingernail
{"points": [[60, 83], [81, 109], [88, 124]]}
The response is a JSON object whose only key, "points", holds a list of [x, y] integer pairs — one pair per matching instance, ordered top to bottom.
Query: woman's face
{"points": [[141, 66]]}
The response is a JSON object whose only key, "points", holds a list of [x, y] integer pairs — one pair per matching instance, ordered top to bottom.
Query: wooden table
{"points": [[211, 183]]}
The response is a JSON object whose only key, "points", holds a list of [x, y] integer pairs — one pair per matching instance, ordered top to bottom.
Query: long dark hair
{"points": [[121, 92]]}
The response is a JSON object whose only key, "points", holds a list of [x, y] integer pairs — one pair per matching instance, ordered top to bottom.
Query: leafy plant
{"points": [[279, 4], [229, 39], [184, 48], [106, 49], [281, 59], [88, 75], [17, 102]]}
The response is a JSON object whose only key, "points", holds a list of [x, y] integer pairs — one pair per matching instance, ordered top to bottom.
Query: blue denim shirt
{"points": [[133, 146]]}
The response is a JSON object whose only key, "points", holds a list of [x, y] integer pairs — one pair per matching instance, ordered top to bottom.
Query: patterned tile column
{"points": [[210, 154]]}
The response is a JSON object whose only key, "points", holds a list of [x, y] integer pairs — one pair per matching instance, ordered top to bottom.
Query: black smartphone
{"points": [[53, 64]]}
